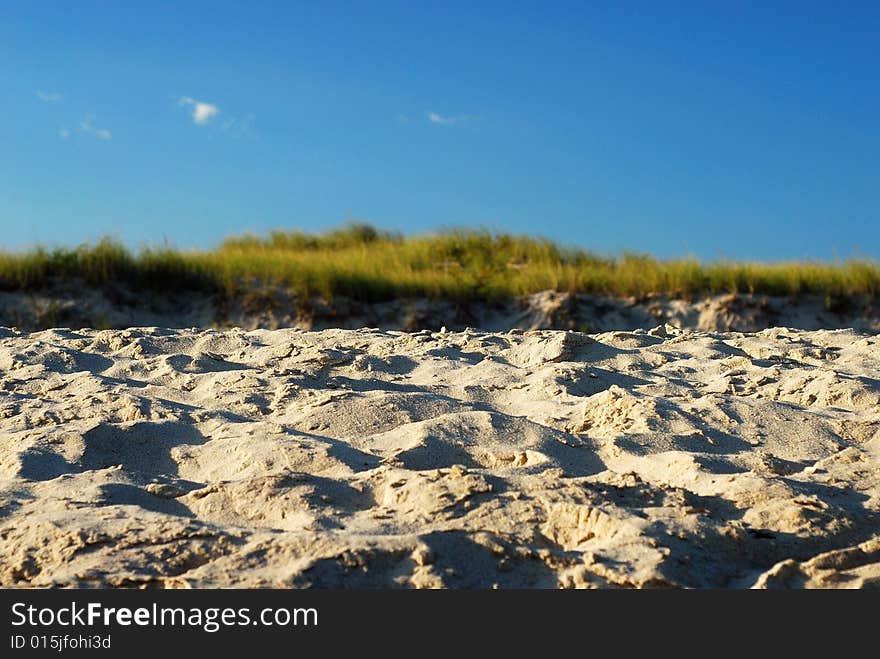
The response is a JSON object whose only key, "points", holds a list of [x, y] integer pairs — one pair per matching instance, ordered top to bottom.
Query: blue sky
{"points": [[740, 129]]}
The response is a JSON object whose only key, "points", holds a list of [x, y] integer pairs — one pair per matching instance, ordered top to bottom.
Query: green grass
{"points": [[362, 263]]}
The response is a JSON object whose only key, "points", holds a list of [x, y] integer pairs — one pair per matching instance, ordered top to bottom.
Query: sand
{"points": [[75, 304], [363, 458]]}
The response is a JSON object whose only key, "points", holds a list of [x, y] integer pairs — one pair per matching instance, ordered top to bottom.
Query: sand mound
{"points": [[76, 304], [364, 458]]}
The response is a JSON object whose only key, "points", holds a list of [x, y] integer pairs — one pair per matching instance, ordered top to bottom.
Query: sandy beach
{"points": [[177, 458]]}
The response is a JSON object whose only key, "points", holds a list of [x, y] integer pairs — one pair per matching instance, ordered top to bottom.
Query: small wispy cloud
{"points": [[49, 97], [202, 112], [435, 118], [448, 120], [86, 127], [238, 127]]}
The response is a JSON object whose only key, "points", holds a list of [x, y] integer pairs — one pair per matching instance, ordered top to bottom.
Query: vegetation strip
{"points": [[369, 265]]}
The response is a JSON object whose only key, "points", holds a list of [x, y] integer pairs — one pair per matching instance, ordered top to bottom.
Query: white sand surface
{"points": [[364, 458]]}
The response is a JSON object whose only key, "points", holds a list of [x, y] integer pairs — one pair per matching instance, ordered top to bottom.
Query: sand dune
{"points": [[75, 304], [366, 458]]}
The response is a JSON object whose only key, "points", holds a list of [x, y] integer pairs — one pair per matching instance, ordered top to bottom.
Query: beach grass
{"points": [[363, 263]]}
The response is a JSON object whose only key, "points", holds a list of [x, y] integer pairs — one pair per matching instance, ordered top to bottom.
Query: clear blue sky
{"points": [[737, 129]]}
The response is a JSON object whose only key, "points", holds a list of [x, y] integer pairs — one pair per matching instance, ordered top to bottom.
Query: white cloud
{"points": [[49, 97], [202, 112], [435, 118], [449, 120], [87, 127]]}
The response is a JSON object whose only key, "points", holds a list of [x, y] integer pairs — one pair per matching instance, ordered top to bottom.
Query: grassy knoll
{"points": [[360, 262]]}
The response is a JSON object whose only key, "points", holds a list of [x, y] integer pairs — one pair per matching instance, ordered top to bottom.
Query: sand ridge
{"points": [[76, 304], [154, 457]]}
